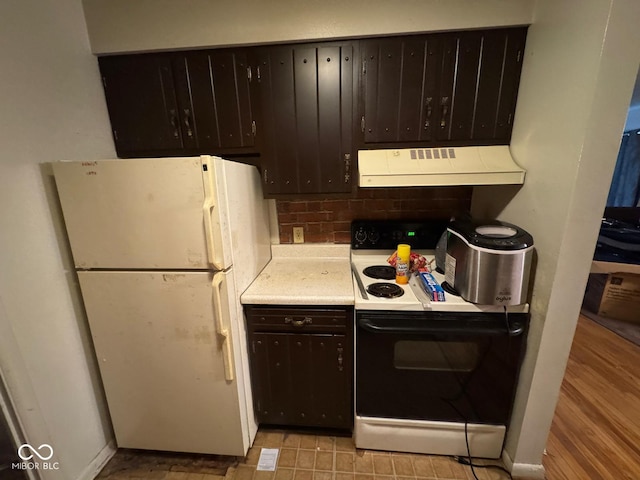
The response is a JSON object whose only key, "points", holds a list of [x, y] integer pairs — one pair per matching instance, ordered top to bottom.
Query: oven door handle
{"points": [[516, 328]]}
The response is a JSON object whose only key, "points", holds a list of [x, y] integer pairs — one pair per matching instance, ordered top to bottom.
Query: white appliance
{"points": [[414, 167], [163, 249], [430, 377]]}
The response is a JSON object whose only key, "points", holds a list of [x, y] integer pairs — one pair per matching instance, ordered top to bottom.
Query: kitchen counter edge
{"points": [[306, 274]]}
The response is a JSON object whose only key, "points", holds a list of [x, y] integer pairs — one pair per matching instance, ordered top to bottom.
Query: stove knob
{"points": [[361, 236], [374, 236]]}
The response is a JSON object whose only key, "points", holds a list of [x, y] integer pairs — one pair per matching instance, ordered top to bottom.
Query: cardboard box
{"points": [[614, 295]]}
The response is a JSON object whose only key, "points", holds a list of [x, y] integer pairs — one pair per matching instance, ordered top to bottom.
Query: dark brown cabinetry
{"points": [[441, 89], [306, 96], [180, 103], [302, 111], [301, 365]]}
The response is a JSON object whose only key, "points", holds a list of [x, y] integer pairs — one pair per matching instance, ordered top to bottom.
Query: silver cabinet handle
{"points": [[444, 102], [174, 122], [187, 122], [427, 122], [347, 167], [298, 323]]}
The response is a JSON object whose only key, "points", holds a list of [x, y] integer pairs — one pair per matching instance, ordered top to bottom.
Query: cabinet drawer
{"points": [[297, 319]]}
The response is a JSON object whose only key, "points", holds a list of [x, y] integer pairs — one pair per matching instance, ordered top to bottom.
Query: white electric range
{"points": [[371, 269], [430, 377]]}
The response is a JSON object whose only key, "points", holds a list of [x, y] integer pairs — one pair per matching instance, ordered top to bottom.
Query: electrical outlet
{"points": [[298, 234]]}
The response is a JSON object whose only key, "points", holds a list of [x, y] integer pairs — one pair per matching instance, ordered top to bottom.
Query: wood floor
{"points": [[596, 429]]}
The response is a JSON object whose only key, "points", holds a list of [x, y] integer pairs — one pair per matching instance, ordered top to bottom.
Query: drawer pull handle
{"points": [[187, 122], [174, 123], [298, 323]]}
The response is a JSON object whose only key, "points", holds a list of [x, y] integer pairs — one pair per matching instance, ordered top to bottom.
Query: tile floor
{"points": [[301, 457], [316, 457], [141, 464]]}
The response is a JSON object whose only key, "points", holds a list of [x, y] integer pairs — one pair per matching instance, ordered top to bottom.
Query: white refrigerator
{"points": [[163, 249]]}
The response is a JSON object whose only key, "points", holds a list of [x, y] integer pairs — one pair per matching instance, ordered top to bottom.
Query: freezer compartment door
{"points": [[157, 213], [163, 343]]}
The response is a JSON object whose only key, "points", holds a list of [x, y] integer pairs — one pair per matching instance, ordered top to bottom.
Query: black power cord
{"points": [[513, 332], [466, 439], [468, 460], [465, 461]]}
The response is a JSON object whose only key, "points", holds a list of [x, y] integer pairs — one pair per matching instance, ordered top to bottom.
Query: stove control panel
{"points": [[387, 234]]}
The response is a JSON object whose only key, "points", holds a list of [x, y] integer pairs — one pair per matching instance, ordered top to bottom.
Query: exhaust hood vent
{"points": [[421, 167]]}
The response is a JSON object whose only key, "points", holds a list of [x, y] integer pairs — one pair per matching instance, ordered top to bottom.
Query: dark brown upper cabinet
{"points": [[440, 89], [306, 94], [180, 103], [301, 111]]}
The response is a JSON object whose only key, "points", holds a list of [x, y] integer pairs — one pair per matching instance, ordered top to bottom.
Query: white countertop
{"points": [[306, 274]]}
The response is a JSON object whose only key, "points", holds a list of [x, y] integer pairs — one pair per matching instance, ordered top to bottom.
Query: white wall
{"points": [[125, 26], [579, 70], [52, 108]]}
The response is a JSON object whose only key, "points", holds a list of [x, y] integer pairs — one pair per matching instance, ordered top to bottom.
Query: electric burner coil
{"points": [[382, 272], [385, 290]]}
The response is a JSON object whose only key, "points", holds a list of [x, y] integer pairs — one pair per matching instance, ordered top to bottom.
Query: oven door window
{"points": [[434, 356]]}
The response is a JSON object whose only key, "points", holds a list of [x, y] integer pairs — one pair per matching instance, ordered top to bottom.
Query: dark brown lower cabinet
{"points": [[302, 365]]}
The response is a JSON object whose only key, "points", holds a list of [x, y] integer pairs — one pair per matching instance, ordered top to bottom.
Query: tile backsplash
{"points": [[329, 220]]}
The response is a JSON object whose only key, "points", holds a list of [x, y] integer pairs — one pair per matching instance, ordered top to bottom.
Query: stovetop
{"points": [[372, 242], [413, 297]]}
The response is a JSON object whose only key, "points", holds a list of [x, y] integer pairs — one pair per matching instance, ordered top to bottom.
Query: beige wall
{"points": [[127, 26], [579, 70], [52, 108]]}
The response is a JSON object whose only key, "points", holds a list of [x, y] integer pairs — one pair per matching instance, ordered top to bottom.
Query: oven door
{"points": [[457, 367]]}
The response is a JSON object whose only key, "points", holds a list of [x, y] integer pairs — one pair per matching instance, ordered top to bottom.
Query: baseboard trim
{"points": [[97, 464], [522, 470]]}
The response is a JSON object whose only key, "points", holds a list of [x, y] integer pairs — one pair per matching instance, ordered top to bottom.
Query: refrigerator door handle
{"points": [[208, 177], [221, 330]]}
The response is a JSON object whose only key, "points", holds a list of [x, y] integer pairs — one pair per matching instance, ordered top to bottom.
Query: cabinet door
{"points": [[486, 76], [400, 81], [441, 89], [495, 95], [214, 99], [306, 99], [141, 100], [180, 103], [301, 379], [270, 380], [321, 380]]}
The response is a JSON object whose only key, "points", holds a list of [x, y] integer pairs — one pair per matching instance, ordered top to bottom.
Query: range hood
{"points": [[421, 167]]}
